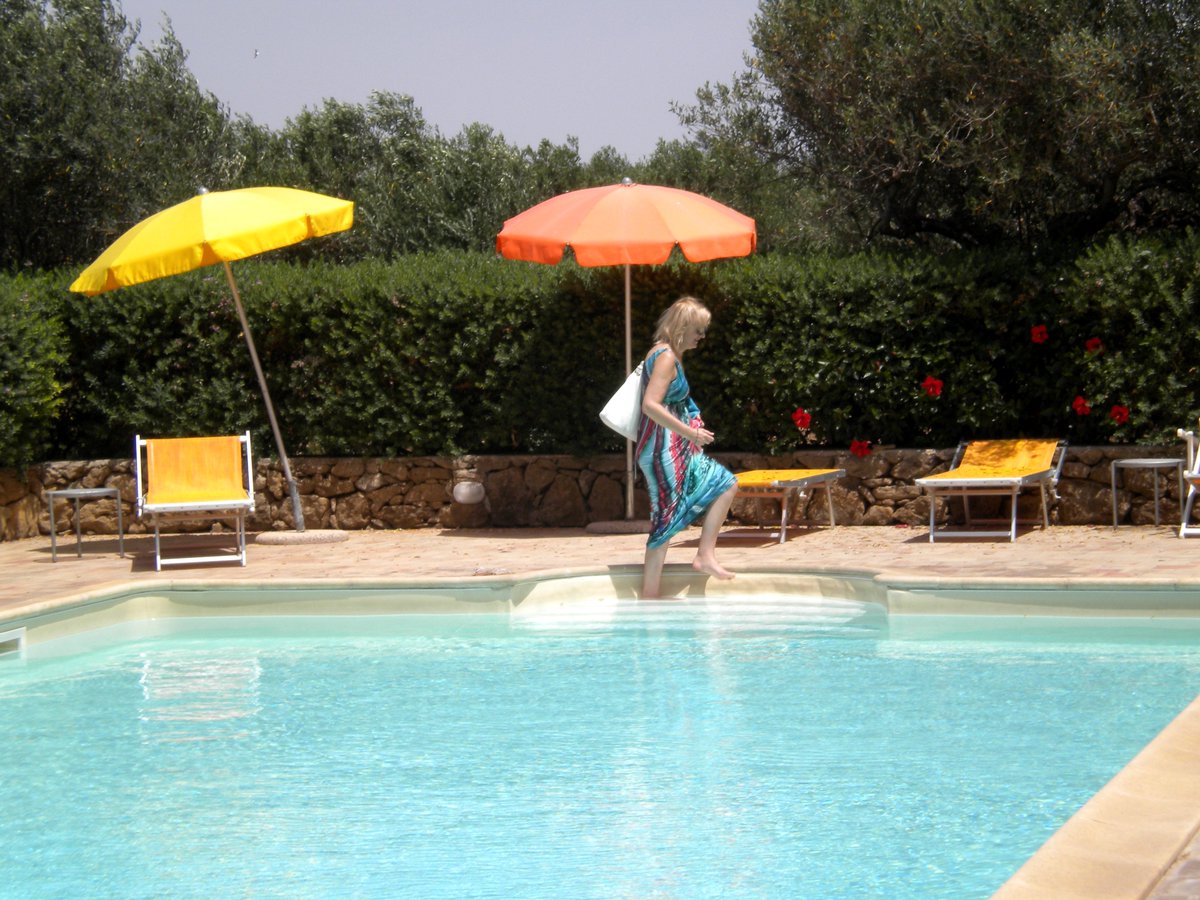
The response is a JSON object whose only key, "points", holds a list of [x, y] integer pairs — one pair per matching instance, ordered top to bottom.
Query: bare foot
{"points": [[713, 568]]}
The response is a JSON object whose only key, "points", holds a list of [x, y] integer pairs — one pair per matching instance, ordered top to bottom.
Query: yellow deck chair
{"points": [[996, 469], [195, 478], [786, 485]]}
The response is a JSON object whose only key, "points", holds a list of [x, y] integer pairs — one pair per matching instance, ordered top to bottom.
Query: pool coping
{"points": [[1122, 843]]}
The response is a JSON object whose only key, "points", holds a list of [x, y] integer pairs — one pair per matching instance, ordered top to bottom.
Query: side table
{"points": [[1154, 464], [78, 494]]}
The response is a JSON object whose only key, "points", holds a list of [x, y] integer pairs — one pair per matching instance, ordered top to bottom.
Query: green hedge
{"points": [[852, 341], [455, 352]]}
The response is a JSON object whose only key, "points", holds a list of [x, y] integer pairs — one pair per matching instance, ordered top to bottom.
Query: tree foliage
{"points": [[975, 122], [97, 130], [101, 131]]}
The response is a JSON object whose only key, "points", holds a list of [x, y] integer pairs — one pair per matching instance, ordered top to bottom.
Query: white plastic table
{"points": [[1176, 464], [78, 494]]}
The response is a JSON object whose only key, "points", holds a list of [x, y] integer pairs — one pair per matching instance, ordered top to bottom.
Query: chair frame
{"points": [[1192, 476], [1009, 487], [236, 509]]}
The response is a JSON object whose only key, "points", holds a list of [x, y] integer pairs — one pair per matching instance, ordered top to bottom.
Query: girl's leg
{"points": [[714, 518], [652, 571]]}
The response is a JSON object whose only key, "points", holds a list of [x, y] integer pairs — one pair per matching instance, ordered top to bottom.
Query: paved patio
{"points": [[1133, 555]]}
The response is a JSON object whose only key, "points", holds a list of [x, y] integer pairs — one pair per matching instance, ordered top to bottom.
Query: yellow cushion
{"points": [[1004, 459], [194, 470], [764, 478]]}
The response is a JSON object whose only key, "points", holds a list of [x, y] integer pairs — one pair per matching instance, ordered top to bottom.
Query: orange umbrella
{"points": [[627, 224]]}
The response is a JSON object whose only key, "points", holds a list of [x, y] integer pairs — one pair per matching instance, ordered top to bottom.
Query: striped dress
{"points": [[681, 480]]}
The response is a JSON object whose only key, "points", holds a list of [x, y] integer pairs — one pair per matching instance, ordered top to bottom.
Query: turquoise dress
{"points": [[681, 480]]}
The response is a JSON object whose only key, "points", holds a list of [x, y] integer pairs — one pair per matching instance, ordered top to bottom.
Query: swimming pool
{"points": [[755, 746]]}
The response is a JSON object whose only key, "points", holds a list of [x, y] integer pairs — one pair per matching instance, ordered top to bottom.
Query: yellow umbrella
{"points": [[219, 227]]}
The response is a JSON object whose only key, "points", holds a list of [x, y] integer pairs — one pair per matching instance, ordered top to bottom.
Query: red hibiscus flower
{"points": [[1038, 334], [1094, 345], [933, 386], [1081, 407], [1119, 414], [802, 418], [860, 448]]}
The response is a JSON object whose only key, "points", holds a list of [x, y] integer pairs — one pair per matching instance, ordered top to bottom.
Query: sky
{"points": [[603, 71]]}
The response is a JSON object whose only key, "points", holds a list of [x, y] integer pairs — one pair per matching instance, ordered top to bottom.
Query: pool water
{"points": [[741, 748]]}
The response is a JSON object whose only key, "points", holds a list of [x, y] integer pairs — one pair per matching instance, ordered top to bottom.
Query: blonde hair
{"points": [[684, 313]]}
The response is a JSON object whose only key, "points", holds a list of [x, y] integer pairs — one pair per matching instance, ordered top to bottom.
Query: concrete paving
{"points": [[1133, 554]]}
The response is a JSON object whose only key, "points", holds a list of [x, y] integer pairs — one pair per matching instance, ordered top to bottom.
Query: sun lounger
{"points": [[995, 469], [195, 478], [786, 485]]}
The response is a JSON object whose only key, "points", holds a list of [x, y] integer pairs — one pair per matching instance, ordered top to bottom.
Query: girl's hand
{"points": [[700, 436]]}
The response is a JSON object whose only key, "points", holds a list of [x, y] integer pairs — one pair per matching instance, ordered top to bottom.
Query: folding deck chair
{"points": [[996, 469], [1192, 476], [195, 478], [786, 485]]}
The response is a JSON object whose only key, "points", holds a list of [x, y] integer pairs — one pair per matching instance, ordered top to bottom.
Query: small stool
{"points": [[1155, 464], [78, 494]]}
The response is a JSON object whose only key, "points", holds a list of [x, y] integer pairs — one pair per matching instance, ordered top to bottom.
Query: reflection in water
{"points": [[196, 697]]}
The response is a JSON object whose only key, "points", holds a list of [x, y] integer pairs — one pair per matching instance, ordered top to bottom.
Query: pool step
{"points": [[12, 641]]}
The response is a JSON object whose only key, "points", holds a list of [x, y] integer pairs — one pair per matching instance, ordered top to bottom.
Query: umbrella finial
{"points": [[626, 180], [202, 190]]}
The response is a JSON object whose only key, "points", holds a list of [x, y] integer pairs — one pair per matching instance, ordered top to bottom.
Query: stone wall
{"points": [[566, 491]]}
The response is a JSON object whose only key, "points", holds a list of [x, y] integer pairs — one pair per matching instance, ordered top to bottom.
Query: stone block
{"points": [[916, 464], [350, 467], [396, 469], [429, 473], [64, 474], [539, 475], [96, 476], [370, 481], [13, 486], [327, 486], [430, 494], [380, 498], [510, 498], [606, 499], [1083, 503], [562, 506], [848, 507], [350, 513], [465, 515], [878, 515]]}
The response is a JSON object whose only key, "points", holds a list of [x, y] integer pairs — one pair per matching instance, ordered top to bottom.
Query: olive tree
{"points": [[976, 122], [98, 129]]}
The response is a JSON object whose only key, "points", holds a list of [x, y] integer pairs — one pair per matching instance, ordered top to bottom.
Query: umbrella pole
{"points": [[628, 369], [297, 513]]}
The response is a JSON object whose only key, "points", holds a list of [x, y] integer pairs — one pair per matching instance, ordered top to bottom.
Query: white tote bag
{"points": [[623, 410]]}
